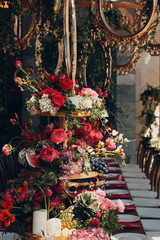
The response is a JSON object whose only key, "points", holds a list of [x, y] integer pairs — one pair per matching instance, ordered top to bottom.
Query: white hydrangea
{"points": [[85, 103], [46, 104], [31, 105]]}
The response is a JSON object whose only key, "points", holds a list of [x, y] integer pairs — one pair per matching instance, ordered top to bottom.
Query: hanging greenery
{"points": [[150, 99]]}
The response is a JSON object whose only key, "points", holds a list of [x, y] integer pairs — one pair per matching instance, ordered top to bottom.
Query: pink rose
{"points": [[18, 64], [88, 92], [58, 135], [95, 135], [110, 143], [7, 148], [48, 153], [100, 192], [55, 201], [111, 204], [120, 205], [104, 206], [98, 214]]}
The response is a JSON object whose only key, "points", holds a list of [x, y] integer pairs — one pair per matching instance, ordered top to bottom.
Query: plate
{"points": [[113, 168], [111, 175], [114, 182], [116, 191], [126, 202], [128, 218], [129, 236]]}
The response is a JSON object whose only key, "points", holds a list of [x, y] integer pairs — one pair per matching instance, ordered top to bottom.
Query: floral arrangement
{"points": [[51, 94], [25, 198], [94, 214]]}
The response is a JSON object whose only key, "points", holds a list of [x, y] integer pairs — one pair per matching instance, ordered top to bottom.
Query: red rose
{"points": [[18, 64], [53, 78], [66, 83], [49, 91], [99, 91], [105, 94], [58, 99], [58, 135], [95, 135], [48, 153], [58, 188], [48, 192], [38, 196], [35, 205], [94, 222]]}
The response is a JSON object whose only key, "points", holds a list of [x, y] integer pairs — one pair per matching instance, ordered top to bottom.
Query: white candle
{"points": [[39, 221], [54, 227]]}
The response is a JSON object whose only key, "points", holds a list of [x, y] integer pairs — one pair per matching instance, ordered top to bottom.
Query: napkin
{"points": [[121, 185], [127, 195], [130, 224]]}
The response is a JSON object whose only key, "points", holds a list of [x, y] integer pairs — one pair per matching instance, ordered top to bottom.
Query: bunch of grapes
{"points": [[99, 165]]}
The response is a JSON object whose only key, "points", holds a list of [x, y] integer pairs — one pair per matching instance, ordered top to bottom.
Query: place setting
{"points": [[117, 193], [129, 221]]}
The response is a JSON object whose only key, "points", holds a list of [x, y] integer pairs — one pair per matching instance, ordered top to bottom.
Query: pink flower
{"points": [[18, 64], [99, 91], [88, 92], [58, 135], [95, 135], [110, 143], [7, 148], [48, 153], [48, 192], [100, 192], [22, 196], [55, 201], [111, 204], [120, 205], [104, 206], [98, 214], [94, 222]]}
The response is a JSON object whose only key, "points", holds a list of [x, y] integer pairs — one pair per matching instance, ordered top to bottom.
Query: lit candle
{"points": [[39, 221], [54, 227]]}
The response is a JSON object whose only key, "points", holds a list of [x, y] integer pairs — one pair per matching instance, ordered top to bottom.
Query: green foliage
{"points": [[150, 99], [85, 208]]}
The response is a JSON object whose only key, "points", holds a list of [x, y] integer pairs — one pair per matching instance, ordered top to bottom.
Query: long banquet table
{"points": [[118, 190]]}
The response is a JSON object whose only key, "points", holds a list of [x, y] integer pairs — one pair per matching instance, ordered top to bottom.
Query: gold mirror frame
{"points": [[132, 41], [23, 43], [154, 48], [70, 58]]}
